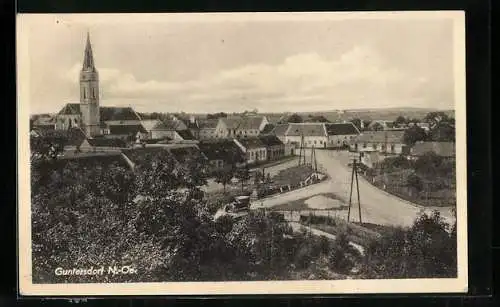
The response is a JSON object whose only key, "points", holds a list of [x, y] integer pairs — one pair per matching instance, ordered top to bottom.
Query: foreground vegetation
{"points": [[88, 213]]}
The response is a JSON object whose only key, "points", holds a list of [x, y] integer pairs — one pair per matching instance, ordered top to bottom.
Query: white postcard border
{"points": [[26, 287]]}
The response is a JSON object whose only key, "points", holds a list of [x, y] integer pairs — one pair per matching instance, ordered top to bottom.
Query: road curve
{"points": [[377, 206]]}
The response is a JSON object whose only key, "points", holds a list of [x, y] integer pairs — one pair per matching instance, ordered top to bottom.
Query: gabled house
{"points": [[44, 123], [240, 126], [167, 129], [207, 129], [268, 129], [280, 131], [127, 133], [340, 134], [314, 135], [386, 142], [102, 144], [274, 147], [255, 150], [221, 153]]}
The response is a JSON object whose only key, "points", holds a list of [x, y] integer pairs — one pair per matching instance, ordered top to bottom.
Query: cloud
{"points": [[356, 78]]}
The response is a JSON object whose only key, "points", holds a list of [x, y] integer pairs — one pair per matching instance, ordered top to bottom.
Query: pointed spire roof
{"points": [[88, 60]]}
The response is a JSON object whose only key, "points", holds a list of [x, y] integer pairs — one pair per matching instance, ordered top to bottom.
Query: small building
{"points": [[44, 123], [240, 126], [167, 129], [207, 129], [268, 129], [280, 131], [127, 133], [341, 134], [314, 135], [387, 142], [102, 144], [274, 147], [442, 149], [255, 150], [221, 153]]}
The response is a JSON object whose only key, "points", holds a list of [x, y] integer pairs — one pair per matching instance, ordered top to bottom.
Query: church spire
{"points": [[88, 60]]}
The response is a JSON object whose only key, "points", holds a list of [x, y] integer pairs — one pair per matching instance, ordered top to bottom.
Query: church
{"points": [[89, 116]]}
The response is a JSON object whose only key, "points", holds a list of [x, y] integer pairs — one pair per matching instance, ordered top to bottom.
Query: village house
{"points": [[44, 123], [240, 126], [172, 129], [207, 129], [267, 130], [125, 132], [280, 132], [340, 134], [314, 135], [386, 142], [102, 144], [274, 147], [443, 149], [255, 150], [221, 153]]}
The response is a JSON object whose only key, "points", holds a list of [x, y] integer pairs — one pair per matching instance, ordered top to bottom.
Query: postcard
{"points": [[242, 153]]}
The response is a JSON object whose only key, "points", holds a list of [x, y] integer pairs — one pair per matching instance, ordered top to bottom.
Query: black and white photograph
{"points": [[242, 153]]}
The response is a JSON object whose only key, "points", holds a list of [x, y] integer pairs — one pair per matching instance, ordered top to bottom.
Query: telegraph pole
{"points": [[302, 151], [354, 176]]}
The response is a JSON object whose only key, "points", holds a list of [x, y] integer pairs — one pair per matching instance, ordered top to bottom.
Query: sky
{"points": [[212, 63]]}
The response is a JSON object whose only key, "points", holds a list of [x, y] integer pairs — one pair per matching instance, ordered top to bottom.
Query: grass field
{"points": [[299, 204]]}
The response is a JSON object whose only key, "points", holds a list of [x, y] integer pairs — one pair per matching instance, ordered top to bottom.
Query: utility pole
{"points": [[302, 153], [354, 176]]}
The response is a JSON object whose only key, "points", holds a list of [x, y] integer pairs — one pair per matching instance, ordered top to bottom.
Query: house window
{"points": [[84, 93], [314, 142], [321, 142], [338, 142], [364, 145], [375, 146], [392, 148]]}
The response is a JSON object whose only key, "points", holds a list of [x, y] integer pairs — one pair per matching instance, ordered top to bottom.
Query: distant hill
{"points": [[377, 114]]}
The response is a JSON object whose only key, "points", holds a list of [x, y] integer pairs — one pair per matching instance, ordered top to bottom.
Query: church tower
{"points": [[89, 93]]}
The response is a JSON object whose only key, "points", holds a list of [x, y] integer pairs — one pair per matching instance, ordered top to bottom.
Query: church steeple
{"points": [[88, 60], [89, 93]]}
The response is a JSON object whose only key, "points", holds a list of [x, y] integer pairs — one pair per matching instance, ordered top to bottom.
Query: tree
{"points": [[217, 115], [295, 118], [434, 118], [317, 119], [400, 121], [377, 127], [443, 132], [413, 135], [428, 165], [243, 175], [224, 176], [415, 182], [425, 250]]}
